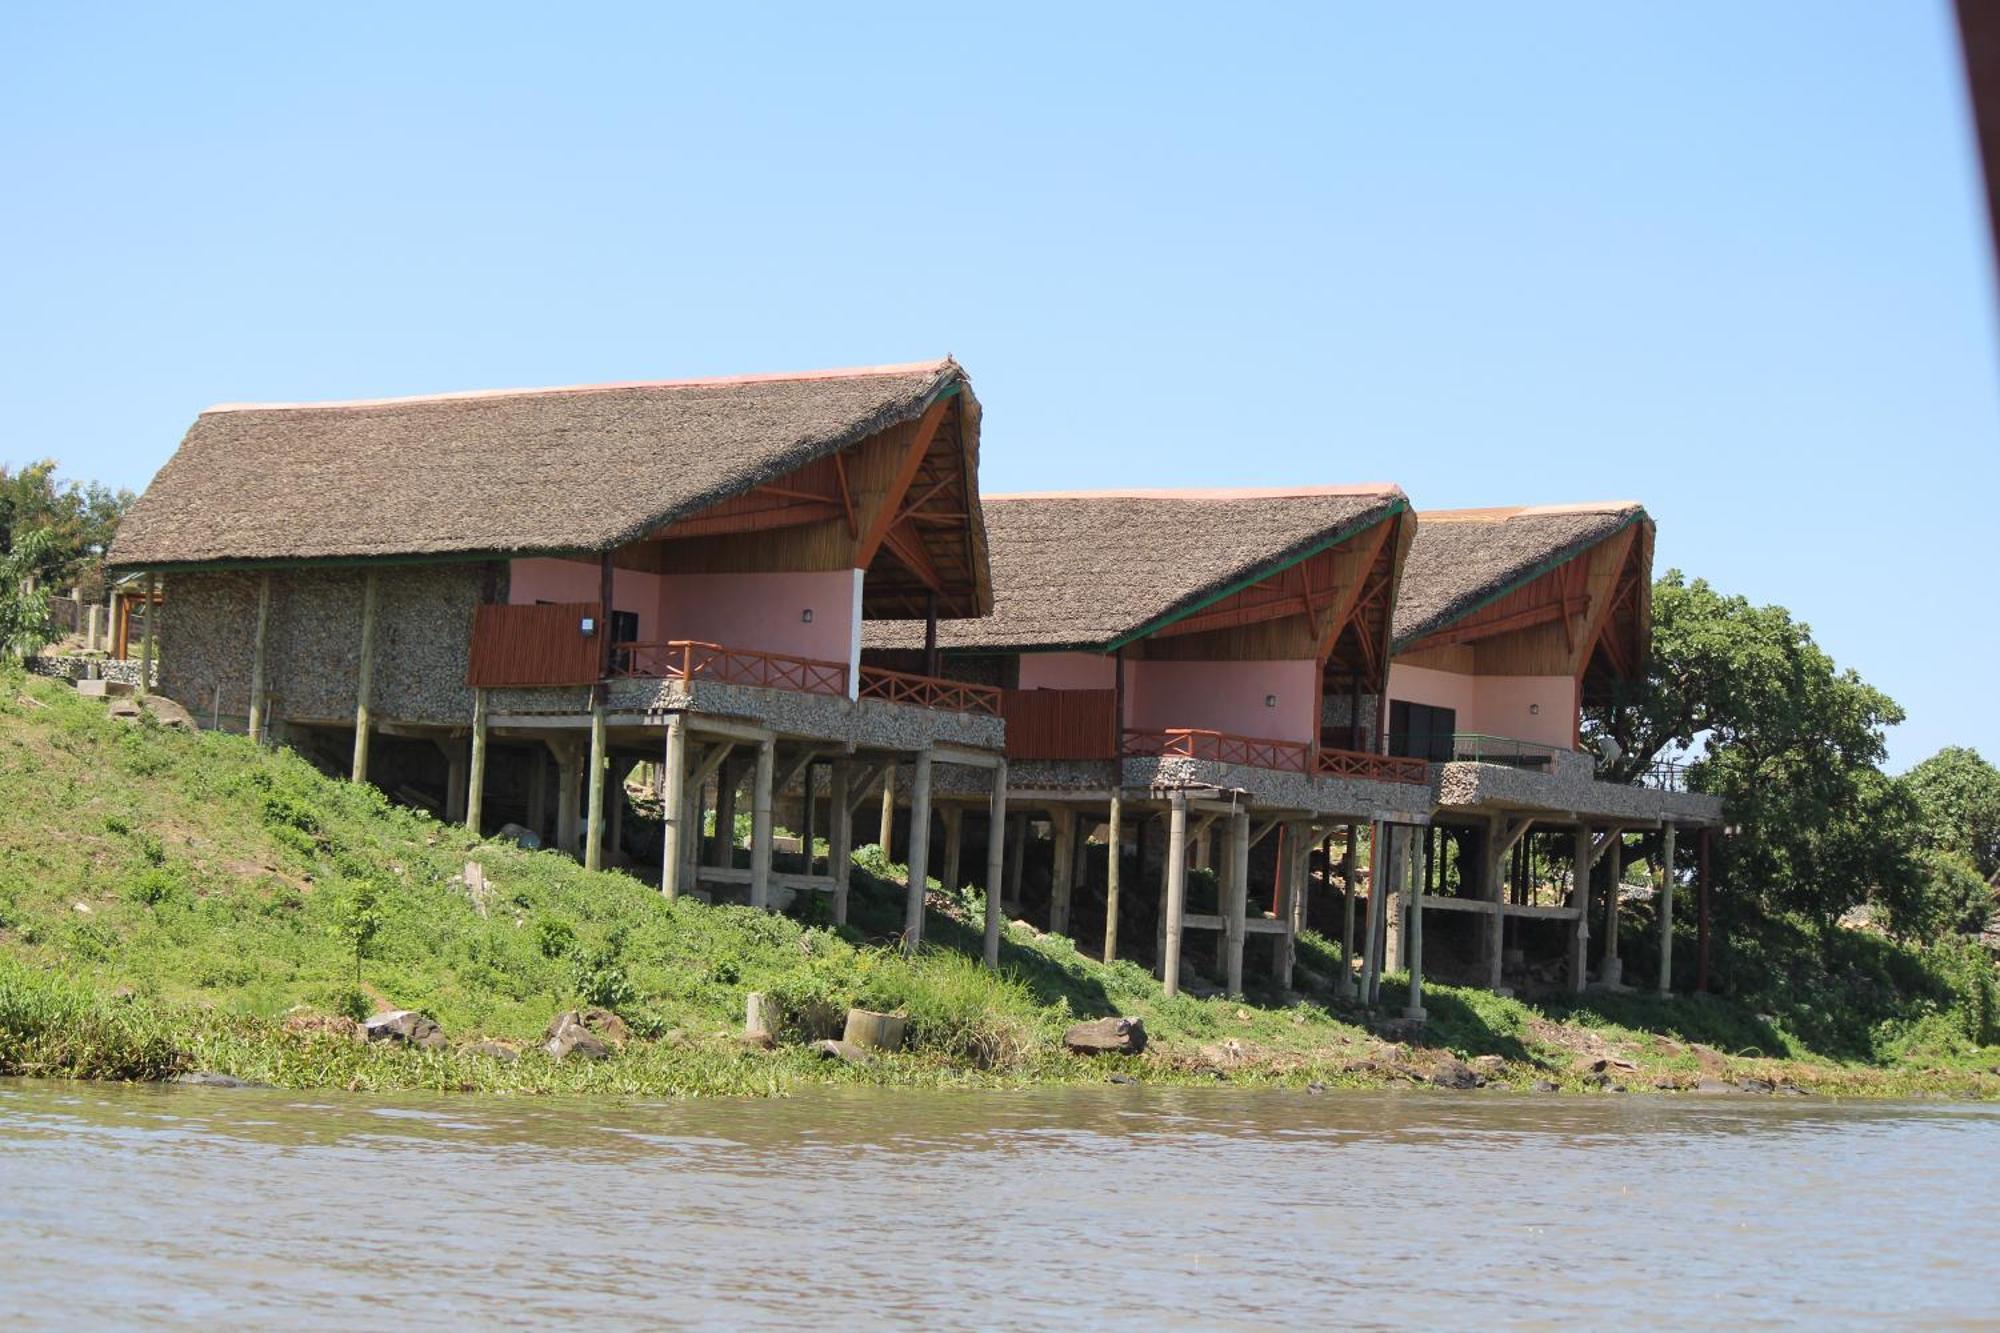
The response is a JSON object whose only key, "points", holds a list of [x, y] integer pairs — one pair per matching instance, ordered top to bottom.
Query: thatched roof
{"points": [[576, 469], [1463, 559], [1089, 570]]}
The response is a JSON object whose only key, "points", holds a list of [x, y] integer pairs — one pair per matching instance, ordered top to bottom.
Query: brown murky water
{"points": [[1116, 1206]]}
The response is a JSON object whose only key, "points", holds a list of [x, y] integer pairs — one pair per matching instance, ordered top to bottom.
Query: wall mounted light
{"points": [[807, 616], [588, 626], [1270, 701], [1534, 710]]}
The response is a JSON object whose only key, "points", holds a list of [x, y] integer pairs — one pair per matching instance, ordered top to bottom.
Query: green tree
{"points": [[80, 519], [24, 608], [1791, 742], [1958, 801]]}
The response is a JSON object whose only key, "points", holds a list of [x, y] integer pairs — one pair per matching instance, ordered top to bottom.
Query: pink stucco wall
{"points": [[763, 612], [1068, 671], [1225, 696], [1495, 705]]}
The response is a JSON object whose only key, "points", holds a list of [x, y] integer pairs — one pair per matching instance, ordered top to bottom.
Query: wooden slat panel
{"points": [[533, 645], [1061, 724]]}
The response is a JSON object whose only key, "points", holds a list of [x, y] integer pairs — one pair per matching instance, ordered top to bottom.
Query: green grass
{"points": [[168, 900]]}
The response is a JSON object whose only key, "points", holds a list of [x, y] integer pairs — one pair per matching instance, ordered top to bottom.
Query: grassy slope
{"points": [[221, 884]]}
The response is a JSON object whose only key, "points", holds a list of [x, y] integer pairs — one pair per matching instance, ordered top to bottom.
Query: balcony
{"points": [[690, 660], [1280, 756]]}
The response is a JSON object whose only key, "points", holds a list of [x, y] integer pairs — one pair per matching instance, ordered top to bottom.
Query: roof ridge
{"points": [[698, 382], [1202, 493], [1500, 513]]}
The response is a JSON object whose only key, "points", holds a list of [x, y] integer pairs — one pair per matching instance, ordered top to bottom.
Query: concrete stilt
{"points": [[257, 658], [364, 686], [457, 778], [475, 780], [569, 797], [673, 805], [614, 811], [593, 813], [760, 823], [840, 836], [887, 836], [1017, 843], [996, 845], [954, 847], [722, 848], [920, 851], [1492, 855], [1062, 869], [1112, 873], [1174, 893], [1236, 897], [1579, 898], [1393, 900], [1666, 901], [1371, 957], [1610, 970], [1344, 984], [1414, 1010]]}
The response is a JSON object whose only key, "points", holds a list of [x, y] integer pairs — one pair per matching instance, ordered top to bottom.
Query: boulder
{"points": [[104, 689], [521, 836], [407, 1026], [607, 1026], [873, 1031], [568, 1036], [1107, 1036], [492, 1050], [844, 1051], [1453, 1073], [1544, 1085], [1713, 1086]]}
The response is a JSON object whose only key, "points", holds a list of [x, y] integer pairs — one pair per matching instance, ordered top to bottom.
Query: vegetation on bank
{"points": [[173, 902]]}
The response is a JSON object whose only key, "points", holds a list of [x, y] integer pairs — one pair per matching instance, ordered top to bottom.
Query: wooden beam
{"points": [[906, 473]]}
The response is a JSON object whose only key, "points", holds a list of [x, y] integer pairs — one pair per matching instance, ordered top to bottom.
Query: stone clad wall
{"points": [[423, 633]]}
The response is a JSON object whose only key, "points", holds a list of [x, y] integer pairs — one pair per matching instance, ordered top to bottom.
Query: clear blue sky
{"points": [[1726, 258]]}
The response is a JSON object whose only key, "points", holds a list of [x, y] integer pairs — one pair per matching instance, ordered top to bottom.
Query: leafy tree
{"points": [[80, 518], [25, 624], [1792, 743], [1958, 800], [1949, 897]]}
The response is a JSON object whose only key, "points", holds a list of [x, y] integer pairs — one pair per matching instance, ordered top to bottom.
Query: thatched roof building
{"points": [[515, 472], [1464, 559], [1091, 570]]}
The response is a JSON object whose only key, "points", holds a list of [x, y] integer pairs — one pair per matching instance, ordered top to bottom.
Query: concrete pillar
{"points": [[112, 645], [257, 657], [364, 687], [457, 778], [475, 779], [538, 793], [569, 797], [674, 806], [692, 806], [614, 813], [593, 814], [760, 823], [996, 823], [840, 835], [1115, 835], [887, 836], [1017, 841], [954, 846], [722, 851], [920, 851], [1062, 873], [1378, 874], [1174, 893], [1235, 897], [1579, 898], [1666, 901], [1392, 902], [1494, 952], [1609, 969], [1344, 984], [1414, 1011]]}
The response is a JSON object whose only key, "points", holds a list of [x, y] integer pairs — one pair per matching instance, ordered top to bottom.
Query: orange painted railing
{"points": [[685, 659], [901, 687], [1220, 747], [1374, 767]]}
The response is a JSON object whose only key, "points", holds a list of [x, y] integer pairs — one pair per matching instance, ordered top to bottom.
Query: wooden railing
{"points": [[687, 659], [900, 687], [1061, 724], [1220, 747], [1373, 767]]}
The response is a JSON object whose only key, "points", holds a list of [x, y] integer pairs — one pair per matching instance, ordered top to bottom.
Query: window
{"points": [[1421, 731]]}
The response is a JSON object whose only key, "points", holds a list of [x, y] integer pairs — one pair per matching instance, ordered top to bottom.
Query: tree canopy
{"points": [[77, 518], [1958, 801]]}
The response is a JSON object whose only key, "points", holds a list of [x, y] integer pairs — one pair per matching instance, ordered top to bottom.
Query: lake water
{"points": [[1102, 1206]]}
